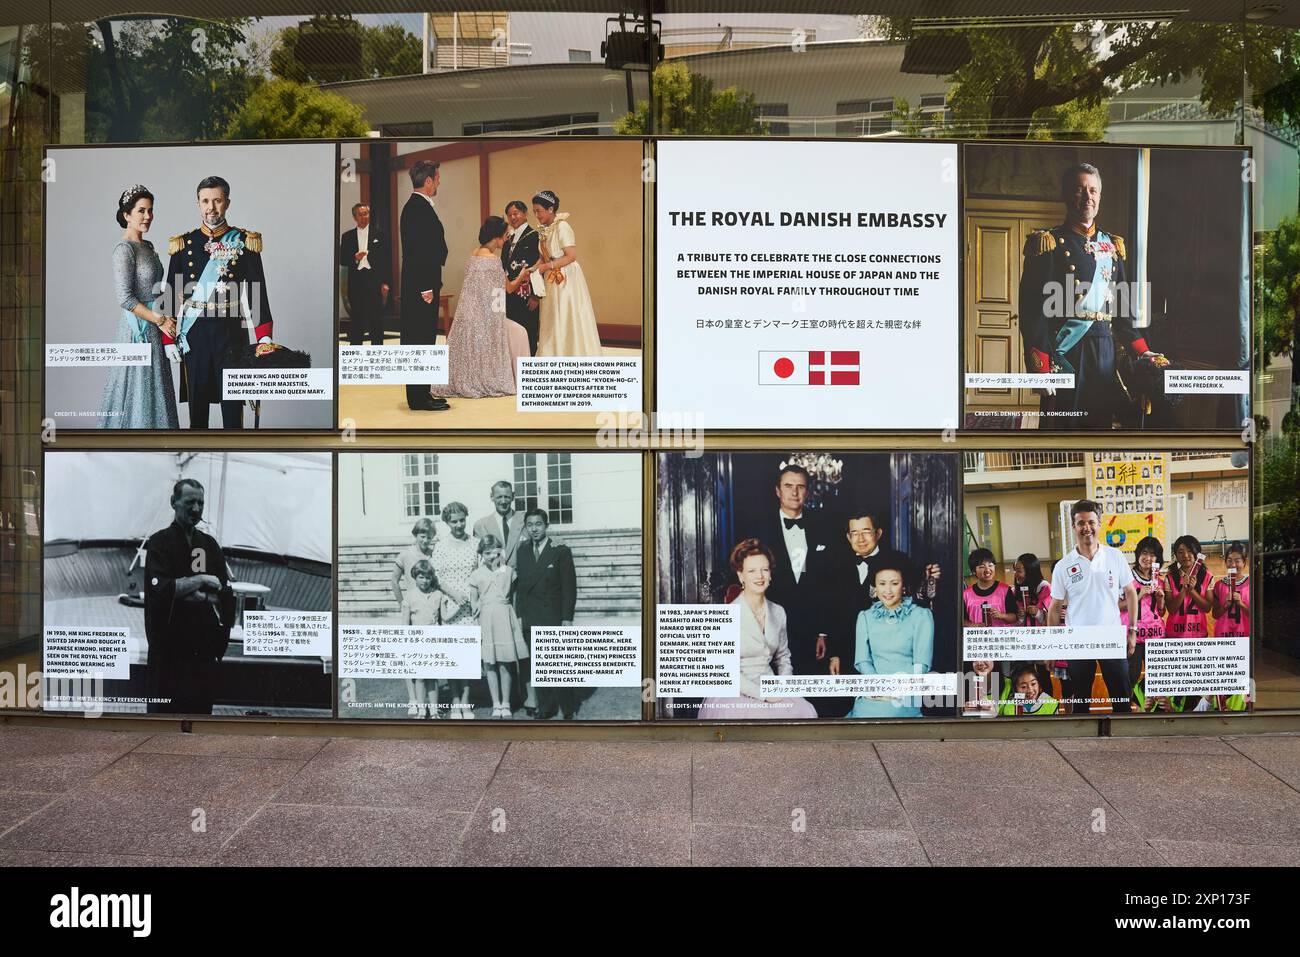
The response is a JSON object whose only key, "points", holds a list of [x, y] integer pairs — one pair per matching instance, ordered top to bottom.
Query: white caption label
{"points": [[97, 354], [393, 365], [1019, 380], [1207, 380], [254, 384], [578, 384], [305, 633], [1039, 644], [410, 651], [697, 651], [87, 653], [586, 656], [1181, 666], [867, 686]]}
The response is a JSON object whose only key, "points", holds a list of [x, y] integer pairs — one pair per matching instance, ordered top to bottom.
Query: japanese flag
{"points": [[783, 368], [808, 368]]}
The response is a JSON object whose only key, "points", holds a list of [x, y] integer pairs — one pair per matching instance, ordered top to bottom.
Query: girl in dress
{"points": [[567, 325], [483, 344], [139, 397], [455, 557], [423, 606], [503, 637]]}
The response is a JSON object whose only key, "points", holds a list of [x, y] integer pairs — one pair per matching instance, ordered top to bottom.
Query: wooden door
{"points": [[993, 247]]}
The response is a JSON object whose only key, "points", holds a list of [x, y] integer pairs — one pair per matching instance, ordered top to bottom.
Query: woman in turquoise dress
{"points": [[139, 397], [894, 636]]}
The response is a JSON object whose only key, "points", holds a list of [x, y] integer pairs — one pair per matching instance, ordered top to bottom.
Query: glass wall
{"points": [[820, 70]]}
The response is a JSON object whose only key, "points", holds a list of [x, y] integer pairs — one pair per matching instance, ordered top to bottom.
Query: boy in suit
{"points": [[546, 594]]}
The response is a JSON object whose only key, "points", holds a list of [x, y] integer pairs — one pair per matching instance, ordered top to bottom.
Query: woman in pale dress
{"points": [[567, 325], [483, 344], [139, 397], [455, 557], [764, 646]]}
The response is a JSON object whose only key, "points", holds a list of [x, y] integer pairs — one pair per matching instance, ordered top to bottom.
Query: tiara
{"points": [[131, 191], [547, 195]]}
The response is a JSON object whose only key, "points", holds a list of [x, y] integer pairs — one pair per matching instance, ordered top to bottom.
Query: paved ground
{"points": [[103, 797]]}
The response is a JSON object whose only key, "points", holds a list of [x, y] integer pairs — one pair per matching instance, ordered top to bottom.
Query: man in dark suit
{"points": [[522, 248], [364, 252], [424, 252], [504, 524], [801, 543], [546, 594], [189, 608]]}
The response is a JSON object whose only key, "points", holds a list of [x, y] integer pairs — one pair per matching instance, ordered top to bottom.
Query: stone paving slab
{"points": [[83, 797]]}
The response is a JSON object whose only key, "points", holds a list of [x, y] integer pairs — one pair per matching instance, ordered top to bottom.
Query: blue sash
{"points": [[207, 282], [139, 327], [1068, 336]]}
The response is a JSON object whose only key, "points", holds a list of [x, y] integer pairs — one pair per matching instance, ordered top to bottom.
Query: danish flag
{"points": [[808, 368]]}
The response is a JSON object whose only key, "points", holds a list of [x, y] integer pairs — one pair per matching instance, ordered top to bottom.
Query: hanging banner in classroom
{"points": [[1132, 489]]}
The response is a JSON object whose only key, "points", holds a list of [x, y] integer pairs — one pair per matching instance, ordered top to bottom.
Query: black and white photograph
{"points": [[190, 287], [487, 549], [836, 564], [193, 583]]}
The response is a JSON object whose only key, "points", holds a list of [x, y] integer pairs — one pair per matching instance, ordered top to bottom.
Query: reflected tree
{"points": [[146, 79], [1047, 80], [687, 103]]}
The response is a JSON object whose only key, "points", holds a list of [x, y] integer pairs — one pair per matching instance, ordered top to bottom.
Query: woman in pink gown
{"points": [[483, 344]]}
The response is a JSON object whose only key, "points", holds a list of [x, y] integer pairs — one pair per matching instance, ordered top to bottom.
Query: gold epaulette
{"points": [[252, 241], [1040, 241], [175, 244], [1119, 245]]}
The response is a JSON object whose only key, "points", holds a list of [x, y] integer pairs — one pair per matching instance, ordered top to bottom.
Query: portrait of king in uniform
{"points": [[219, 290], [1076, 308]]}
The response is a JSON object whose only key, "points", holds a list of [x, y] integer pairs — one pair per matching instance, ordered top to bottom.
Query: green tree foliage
{"points": [[387, 50], [164, 79], [1052, 81], [687, 103], [283, 109], [1277, 287], [1277, 474]]}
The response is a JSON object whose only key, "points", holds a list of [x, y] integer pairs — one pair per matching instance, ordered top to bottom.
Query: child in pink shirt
{"points": [[1188, 587], [1232, 596]]}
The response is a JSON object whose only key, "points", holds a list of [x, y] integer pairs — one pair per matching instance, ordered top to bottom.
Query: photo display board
{"points": [[807, 285], [467, 290], [205, 302]]}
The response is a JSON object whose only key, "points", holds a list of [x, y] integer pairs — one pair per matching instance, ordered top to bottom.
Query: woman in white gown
{"points": [[567, 325]]}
